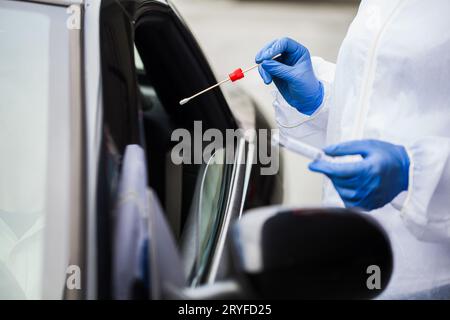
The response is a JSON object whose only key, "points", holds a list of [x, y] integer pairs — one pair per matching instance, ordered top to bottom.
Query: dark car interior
{"points": [[173, 71], [141, 106], [146, 112]]}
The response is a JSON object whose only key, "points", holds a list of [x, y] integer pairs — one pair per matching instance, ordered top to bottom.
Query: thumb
{"points": [[277, 69], [264, 75], [359, 147], [320, 166], [338, 170]]}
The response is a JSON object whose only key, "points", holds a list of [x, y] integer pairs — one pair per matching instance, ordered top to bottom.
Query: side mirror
{"points": [[311, 254]]}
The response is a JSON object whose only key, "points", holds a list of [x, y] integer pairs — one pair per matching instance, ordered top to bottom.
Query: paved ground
{"points": [[231, 32]]}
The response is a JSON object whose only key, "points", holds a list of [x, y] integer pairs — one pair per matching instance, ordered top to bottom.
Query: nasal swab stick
{"points": [[234, 76]]}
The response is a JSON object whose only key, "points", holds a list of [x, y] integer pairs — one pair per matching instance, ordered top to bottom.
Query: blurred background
{"points": [[231, 32]]}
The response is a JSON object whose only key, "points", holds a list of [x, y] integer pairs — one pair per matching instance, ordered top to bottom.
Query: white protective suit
{"points": [[392, 83]]}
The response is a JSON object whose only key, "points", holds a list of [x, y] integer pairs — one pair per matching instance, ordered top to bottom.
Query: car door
{"points": [[173, 67], [140, 106]]}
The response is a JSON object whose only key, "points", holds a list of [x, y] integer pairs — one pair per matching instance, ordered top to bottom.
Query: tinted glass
{"points": [[212, 203]]}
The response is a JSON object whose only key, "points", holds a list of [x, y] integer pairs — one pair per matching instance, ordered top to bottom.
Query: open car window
{"points": [[197, 197]]}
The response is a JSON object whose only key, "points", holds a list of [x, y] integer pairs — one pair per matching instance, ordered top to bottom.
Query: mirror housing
{"points": [[283, 253]]}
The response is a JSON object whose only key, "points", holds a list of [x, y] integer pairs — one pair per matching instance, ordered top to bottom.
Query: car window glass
{"points": [[138, 61], [30, 68], [120, 92], [120, 126], [211, 205]]}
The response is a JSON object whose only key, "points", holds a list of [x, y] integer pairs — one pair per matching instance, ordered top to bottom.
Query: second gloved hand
{"points": [[292, 74], [372, 182]]}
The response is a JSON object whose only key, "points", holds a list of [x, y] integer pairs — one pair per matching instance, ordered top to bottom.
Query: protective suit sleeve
{"points": [[310, 129], [425, 207]]}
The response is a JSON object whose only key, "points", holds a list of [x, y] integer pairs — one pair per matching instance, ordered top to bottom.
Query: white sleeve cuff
{"points": [[289, 117], [294, 124], [425, 207]]}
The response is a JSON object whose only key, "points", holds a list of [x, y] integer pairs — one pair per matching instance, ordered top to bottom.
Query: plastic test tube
{"points": [[299, 147]]}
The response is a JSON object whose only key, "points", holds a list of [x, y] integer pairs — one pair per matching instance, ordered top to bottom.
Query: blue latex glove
{"points": [[292, 74], [372, 182]]}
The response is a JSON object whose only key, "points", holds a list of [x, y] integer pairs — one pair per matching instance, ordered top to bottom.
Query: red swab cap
{"points": [[236, 75]]}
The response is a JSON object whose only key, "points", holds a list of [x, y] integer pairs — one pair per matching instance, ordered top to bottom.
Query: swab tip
{"points": [[184, 101]]}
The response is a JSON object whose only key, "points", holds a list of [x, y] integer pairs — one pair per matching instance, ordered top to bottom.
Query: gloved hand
{"points": [[293, 75], [374, 181]]}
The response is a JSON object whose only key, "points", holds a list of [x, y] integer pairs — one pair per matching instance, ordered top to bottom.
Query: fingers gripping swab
{"points": [[234, 76]]}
